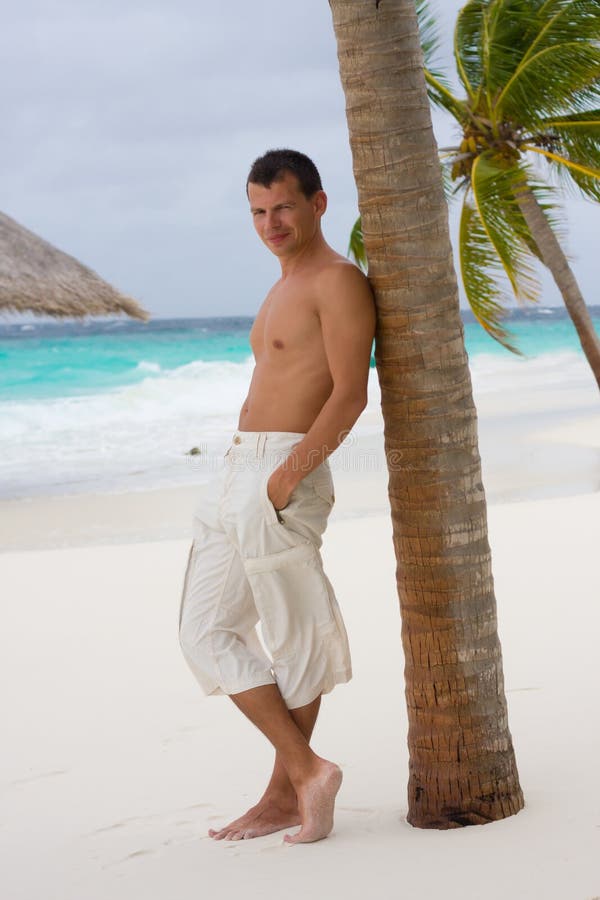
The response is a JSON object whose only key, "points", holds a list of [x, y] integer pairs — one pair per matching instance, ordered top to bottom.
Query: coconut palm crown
{"points": [[530, 70]]}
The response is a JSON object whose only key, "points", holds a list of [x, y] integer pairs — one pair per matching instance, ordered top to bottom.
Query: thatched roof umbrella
{"points": [[35, 277]]}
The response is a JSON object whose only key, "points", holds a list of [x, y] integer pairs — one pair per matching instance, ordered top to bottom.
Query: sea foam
{"points": [[140, 435]]}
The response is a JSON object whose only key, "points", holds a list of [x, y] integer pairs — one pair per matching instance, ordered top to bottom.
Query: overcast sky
{"points": [[128, 130]]}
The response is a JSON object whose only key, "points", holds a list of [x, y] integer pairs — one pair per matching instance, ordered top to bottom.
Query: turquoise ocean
{"points": [[113, 404]]}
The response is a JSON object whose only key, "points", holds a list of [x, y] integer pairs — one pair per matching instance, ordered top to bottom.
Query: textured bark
{"points": [[554, 258], [462, 767]]}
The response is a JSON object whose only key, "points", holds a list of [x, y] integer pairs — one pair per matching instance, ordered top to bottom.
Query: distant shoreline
{"points": [[12, 324]]}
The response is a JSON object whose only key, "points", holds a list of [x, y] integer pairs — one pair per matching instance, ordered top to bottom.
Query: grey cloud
{"points": [[128, 131]]}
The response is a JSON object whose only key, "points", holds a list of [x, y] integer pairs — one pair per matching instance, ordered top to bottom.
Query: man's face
{"points": [[284, 219]]}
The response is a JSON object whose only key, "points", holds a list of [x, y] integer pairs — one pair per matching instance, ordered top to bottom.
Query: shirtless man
{"points": [[312, 342]]}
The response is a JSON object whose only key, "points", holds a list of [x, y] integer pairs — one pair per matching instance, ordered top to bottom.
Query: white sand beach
{"points": [[114, 765]]}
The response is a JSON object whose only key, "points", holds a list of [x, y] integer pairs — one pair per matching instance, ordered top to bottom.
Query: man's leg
{"points": [[305, 718], [315, 780], [278, 807]]}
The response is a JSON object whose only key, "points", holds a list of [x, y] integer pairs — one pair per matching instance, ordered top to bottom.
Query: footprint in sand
{"points": [[39, 776], [157, 832]]}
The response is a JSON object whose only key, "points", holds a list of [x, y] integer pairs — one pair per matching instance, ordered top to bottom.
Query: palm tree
{"points": [[531, 73], [462, 767]]}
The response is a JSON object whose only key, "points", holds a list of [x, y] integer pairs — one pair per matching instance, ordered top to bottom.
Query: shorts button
{"points": [[237, 440]]}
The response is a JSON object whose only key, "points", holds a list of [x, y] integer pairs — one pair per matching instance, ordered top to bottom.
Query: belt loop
{"points": [[260, 444]]}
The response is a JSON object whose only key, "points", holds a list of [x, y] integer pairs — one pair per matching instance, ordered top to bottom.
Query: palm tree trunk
{"points": [[554, 259], [462, 768]]}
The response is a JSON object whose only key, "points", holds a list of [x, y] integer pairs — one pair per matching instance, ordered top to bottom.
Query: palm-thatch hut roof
{"points": [[37, 278]]}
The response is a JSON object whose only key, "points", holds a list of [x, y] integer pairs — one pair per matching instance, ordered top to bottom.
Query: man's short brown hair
{"points": [[274, 163]]}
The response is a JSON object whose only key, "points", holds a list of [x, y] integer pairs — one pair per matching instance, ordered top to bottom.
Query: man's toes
{"points": [[220, 833]]}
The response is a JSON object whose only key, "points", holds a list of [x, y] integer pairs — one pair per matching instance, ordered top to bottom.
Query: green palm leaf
{"points": [[563, 21], [517, 30], [508, 34], [429, 38], [467, 45], [551, 81], [438, 86], [443, 98], [590, 117], [577, 139], [450, 189], [494, 197], [545, 197], [356, 246], [479, 271]]}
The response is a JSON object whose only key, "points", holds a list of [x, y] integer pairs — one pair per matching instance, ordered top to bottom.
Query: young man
{"points": [[259, 523]]}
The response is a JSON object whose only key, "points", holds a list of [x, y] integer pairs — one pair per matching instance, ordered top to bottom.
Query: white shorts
{"points": [[250, 562]]}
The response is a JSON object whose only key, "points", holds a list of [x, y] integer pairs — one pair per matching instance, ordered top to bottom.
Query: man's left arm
{"points": [[346, 308]]}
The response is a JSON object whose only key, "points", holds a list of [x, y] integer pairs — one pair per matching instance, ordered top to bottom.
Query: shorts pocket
{"points": [[323, 488], [272, 514], [292, 598]]}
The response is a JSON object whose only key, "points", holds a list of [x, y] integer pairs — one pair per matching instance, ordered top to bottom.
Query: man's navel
{"points": [[278, 344]]}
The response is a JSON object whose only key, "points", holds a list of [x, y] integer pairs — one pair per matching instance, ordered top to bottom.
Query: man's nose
{"points": [[273, 219]]}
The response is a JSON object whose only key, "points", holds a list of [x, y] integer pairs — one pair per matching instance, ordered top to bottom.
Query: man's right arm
{"points": [[346, 308]]}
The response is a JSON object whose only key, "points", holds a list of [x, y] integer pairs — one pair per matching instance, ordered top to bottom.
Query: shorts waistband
{"points": [[250, 437], [261, 443]]}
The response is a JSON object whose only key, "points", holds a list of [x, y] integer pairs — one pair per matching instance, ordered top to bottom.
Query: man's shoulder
{"points": [[338, 266], [338, 278]]}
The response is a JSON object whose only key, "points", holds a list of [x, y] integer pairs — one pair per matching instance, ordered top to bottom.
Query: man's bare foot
{"points": [[316, 799], [270, 814]]}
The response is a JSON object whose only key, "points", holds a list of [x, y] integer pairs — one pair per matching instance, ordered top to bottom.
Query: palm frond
{"points": [[564, 21], [511, 28], [518, 30], [430, 39], [467, 45], [557, 78], [439, 88], [442, 97], [589, 117], [577, 140], [556, 157], [587, 179], [576, 185], [450, 189], [494, 190], [546, 199], [356, 246], [479, 271]]}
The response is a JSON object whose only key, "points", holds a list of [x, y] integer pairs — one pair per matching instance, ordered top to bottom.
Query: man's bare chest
{"points": [[287, 323]]}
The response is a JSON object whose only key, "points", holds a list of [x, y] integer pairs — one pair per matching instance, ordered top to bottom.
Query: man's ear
{"points": [[320, 201]]}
